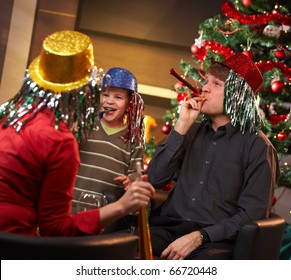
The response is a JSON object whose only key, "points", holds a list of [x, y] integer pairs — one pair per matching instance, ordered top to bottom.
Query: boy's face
{"points": [[213, 90], [116, 100]]}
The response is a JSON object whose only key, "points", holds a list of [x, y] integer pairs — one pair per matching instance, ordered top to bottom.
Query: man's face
{"points": [[213, 90]]}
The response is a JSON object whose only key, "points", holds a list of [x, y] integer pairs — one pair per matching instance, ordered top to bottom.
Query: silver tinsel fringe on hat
{"points": [[241, 104], [78, 108], [135, 119]]}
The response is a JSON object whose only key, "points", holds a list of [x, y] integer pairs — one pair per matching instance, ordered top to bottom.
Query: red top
{"points": [[38, 167]]}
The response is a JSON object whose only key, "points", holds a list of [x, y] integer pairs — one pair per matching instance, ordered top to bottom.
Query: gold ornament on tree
{"points": [[228, 24]]}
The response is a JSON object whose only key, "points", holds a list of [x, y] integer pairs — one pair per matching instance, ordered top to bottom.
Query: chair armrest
{"points": [[260, 239], [115, 246]]}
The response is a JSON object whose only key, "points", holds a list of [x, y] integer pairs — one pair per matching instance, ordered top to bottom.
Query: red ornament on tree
{"points": [[246, 3], [194, 49], [249, 54], [280, 54], [178, 85], [277, 86], [182, 97], [166, 128], [281, 135]]}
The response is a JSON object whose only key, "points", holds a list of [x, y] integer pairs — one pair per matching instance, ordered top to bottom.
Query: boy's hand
{"points": [[124, 180]]}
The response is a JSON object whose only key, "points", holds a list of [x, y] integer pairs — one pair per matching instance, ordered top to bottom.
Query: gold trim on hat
{"points": [[65, 62]]}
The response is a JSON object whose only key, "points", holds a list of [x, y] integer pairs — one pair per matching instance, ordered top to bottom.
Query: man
{"points": [[225, 168]]}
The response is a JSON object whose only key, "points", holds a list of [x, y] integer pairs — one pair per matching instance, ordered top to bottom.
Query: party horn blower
{"points": [[185, 83], [103, 112], [145, 245]]}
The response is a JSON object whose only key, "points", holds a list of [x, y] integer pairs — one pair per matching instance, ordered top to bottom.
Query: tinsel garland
{"points": [[230, 11], [216, 47], [219, 48], [269, 65], [240, 103], [78, 108]]}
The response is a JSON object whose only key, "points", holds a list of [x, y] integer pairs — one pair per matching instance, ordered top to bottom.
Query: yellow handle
{"points": [[145, 245]]}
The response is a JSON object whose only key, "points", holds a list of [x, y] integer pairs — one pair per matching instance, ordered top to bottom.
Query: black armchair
{"points": [[257, 240], [260, 240], [116, 246]]}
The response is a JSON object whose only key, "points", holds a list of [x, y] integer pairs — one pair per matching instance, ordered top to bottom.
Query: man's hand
{"points": [[189, 112], [182, 247]]}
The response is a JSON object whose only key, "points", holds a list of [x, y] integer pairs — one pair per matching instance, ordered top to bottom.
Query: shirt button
{"points": [[214, 143], [207, 162], [201, 182], [193, 199]]}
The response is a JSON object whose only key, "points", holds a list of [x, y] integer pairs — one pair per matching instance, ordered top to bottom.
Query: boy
{"points": [[110, 154]]}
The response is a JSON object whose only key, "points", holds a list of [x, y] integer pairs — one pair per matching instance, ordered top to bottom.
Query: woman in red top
{"points": [[39, 156]]}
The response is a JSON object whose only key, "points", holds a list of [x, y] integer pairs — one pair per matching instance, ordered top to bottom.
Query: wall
{"points": [[19, 30]]}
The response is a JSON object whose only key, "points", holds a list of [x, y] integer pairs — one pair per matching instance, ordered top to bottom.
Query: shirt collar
{"points": [[230, 129]]}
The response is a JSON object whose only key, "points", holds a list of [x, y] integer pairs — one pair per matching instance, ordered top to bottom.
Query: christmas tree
{"points": [[261, 30]]}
